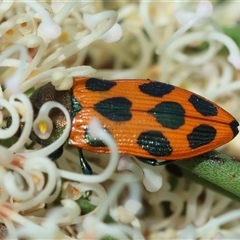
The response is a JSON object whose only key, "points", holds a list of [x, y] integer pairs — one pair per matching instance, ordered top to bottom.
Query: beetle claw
{"points": [[86, 169]]}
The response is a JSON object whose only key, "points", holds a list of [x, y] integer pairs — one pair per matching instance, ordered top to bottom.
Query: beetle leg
{"points": [[30, 146], [56, 154], [153, 162], [84, 165], [86, 169]]}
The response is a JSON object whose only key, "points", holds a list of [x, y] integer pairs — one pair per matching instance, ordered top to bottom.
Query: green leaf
{"points": [[233, 33], [8, 142], [214, 170], [87, 207], [108, 238]]}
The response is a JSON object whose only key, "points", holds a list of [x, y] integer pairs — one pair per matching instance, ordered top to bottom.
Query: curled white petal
{"points": [[64, 9], [204, 9], [48, 27], [51, 31], [114, 34], [70, 49], [14, 81], [45, 109], [28, 117], [43, 126], [10, 131], [6, 156], [40, 164], [152, 179], [14, 190], [4, 194], [101, 194], [52, 197], [133, 203], [70, 211]]}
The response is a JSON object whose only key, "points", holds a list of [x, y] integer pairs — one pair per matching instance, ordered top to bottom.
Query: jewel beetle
{"points": [[148, 119]]}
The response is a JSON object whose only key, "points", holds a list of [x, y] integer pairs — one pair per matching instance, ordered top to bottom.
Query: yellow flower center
{"points": [[43, 127]]}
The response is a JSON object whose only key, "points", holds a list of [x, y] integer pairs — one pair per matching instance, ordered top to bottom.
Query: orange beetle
{"points": [[148, 119]]}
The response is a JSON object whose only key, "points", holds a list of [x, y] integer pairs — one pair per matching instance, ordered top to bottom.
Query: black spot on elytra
{"points": [[95, 84], [156, 89], [203, 106], [115, 109], [169, 114], [234, 126], [201, 135], [94, 142], [155, 143]]}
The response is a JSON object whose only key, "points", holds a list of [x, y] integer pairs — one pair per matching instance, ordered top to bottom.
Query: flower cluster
{"points": [[53, 42]]}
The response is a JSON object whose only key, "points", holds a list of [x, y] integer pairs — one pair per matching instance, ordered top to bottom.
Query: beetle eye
{"points": [[42, 127]]}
